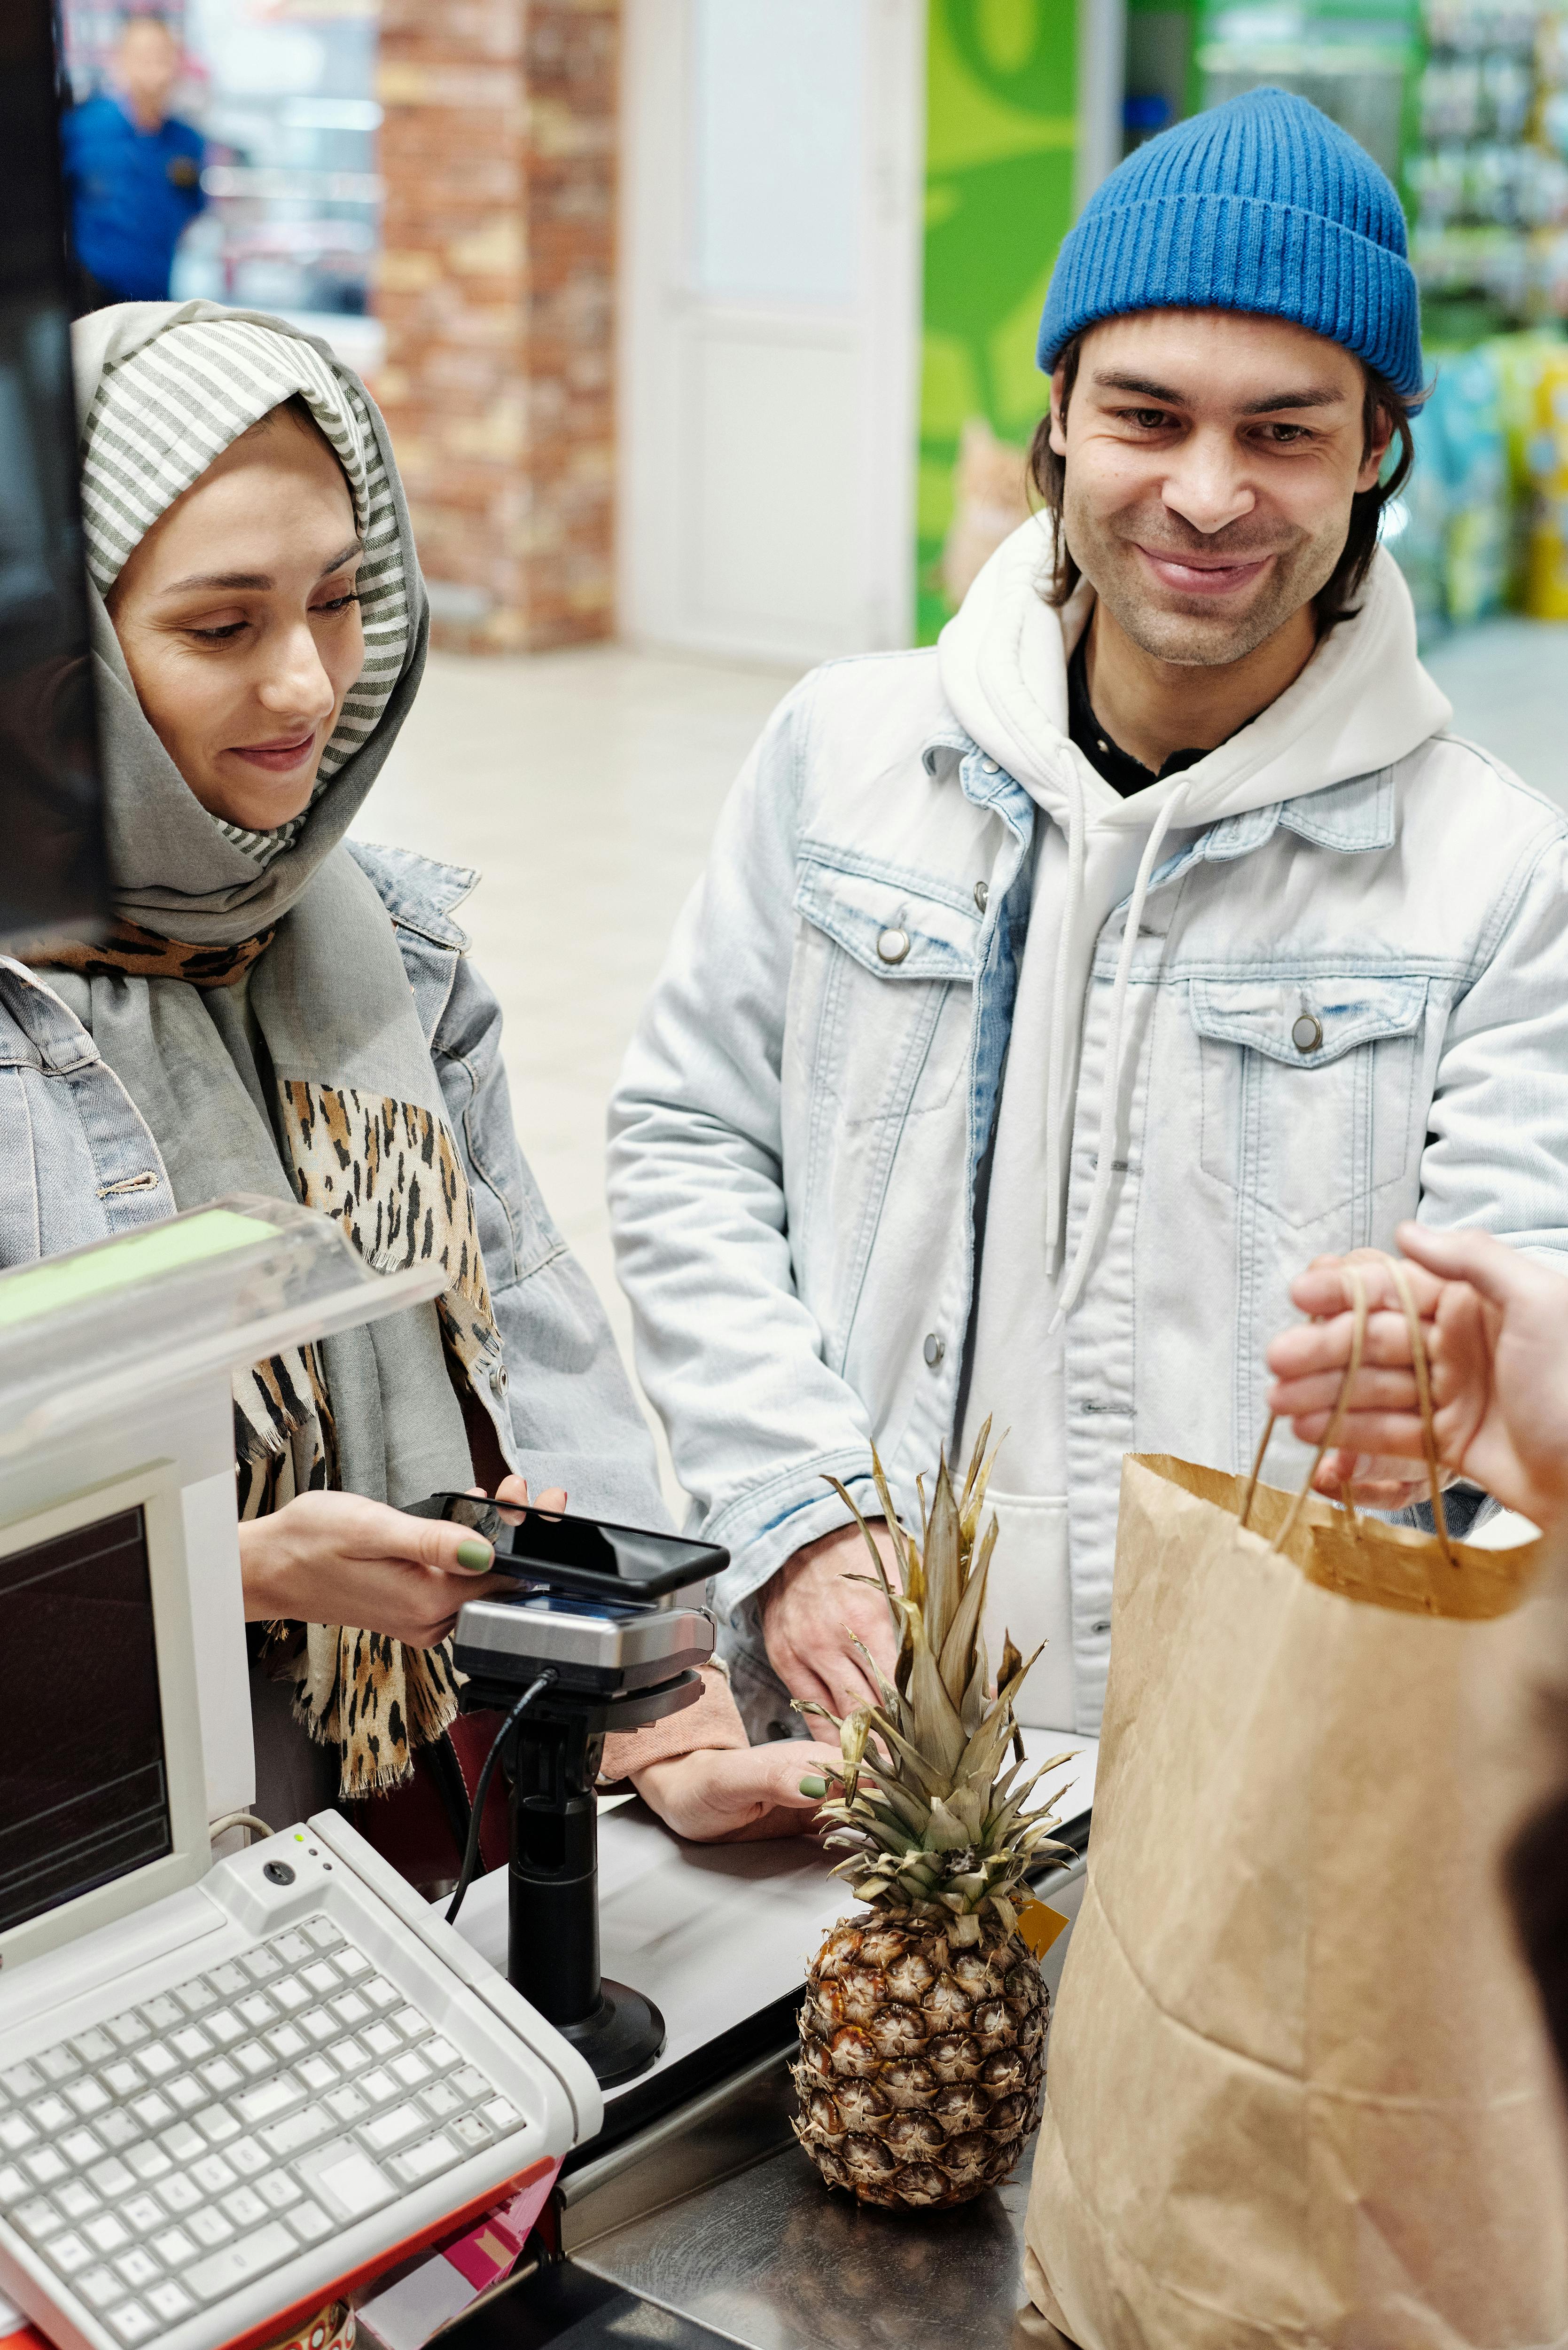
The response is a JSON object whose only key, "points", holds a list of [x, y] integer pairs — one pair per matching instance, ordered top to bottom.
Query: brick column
{"points": [[496, 288]]}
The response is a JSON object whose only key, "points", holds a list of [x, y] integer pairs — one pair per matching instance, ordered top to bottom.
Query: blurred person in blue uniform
{"points": [[133, 173]]}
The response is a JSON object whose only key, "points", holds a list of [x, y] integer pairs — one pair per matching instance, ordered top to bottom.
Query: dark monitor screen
{"points": [[52, 876], [84, 1791]]}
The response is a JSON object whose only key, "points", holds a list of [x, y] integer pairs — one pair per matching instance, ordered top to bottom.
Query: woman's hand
{"points": [[1496, 1328], [335, 1558], [736, 1794]]}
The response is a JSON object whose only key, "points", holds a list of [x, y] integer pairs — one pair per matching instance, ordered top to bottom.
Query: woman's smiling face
{"points": [[240, 625]]}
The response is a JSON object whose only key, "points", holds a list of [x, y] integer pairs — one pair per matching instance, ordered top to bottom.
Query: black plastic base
{"points": [[622, 2036]]}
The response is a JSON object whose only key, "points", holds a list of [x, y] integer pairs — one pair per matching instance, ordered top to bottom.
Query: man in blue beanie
{"points": [[1054, 996]]}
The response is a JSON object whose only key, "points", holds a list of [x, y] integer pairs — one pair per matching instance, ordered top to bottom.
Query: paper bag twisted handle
{"points": [[1401, 1281]]}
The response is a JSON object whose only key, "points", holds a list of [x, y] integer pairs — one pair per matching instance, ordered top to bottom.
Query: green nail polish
{"points": [[474, 1554]]}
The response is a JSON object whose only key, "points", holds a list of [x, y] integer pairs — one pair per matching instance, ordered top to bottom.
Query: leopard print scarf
{"points": [[390, 1176]]}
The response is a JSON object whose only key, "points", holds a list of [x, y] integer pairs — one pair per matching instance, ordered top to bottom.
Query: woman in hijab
{"points": [[277, 1011]]}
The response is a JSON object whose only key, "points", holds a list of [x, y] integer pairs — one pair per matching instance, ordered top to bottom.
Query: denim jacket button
{"points": [[981, 896], [893, 945], [1306, 1033], [933, 1351]]}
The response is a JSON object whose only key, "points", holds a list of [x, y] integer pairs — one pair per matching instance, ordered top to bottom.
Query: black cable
{"points": [[482, 1788]]}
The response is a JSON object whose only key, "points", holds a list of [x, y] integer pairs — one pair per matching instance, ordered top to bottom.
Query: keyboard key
{"points": [[322, 1932], [292, 1947], [260, 1964], [351, 1964], [321, 1975], [229, 1980], [380, 1992], [289, 1993], [195, 1997], [350, 2009], [256, 2011], [162, 2014], [409, 2022], [318, 2025], [224, 2026], [127, 2031], [380, 2040], [286, 2042], [191, 2043], [93, 2047], [441, 2054], [349, 2056], [253, 2058], [158, 2061], [58, 2065], [409, 2068], [317, 2075], [221, 2077], [123, 2078], [21, 2081], [471, 2082], [378, 2087], [187, 2093], [87, 2096], [269, 2097], [440, 2099], [346, 2102], [153, 2112], [50, 2114], [500, 2115], [216, 2123], [392, 2128], [117, 2129], [297, 2130], [470, 2130], [16, 2133], [182, 2144], [80, 2148], [246, 2157], [149, 2161], [423, 2161], [45, 2167], [213, 2174], [112, 2178], [346, 2180], [14, 2188], [278, 2190], [179, 2194], [76, 2198], [245, 2207], [143, 2212], [39, 2219], [309, 2223], [209, 2228], [105, 2233], [175, 2248], [69, 2253], [237, 2264], [138, 2268], [99, 2287], [170, 2303], [132, 2322]]}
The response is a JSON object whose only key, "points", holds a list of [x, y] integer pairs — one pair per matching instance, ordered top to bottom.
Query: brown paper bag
{"points": [[1299, 2089]]}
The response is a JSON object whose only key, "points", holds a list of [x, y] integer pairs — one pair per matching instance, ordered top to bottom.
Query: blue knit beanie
{"points": [[1260, 205]]}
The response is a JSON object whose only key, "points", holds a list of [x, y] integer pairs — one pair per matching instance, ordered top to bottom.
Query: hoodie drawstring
{"points": [[1111, 1085], [1058, 1109]]}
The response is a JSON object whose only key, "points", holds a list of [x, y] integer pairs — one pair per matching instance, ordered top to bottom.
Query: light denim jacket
{"points": [[799, 1128], [78, 1163]]}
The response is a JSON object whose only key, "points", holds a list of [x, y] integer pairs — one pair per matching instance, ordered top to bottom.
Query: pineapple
{"points": [[921, 2036]]}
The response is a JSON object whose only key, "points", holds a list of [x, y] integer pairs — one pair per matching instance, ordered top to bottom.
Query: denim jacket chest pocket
{"points": [[880, 991], [1307, 1085]]}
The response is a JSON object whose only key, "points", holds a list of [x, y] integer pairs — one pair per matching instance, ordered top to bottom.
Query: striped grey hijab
{"points": [[163, 388], [157, 421]]}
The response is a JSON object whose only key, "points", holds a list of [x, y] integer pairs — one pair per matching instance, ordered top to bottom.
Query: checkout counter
{"points": [[693, 2219]]}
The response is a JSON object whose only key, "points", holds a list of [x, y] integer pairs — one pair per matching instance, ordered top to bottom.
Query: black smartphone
{"points": [[586, 1555]]}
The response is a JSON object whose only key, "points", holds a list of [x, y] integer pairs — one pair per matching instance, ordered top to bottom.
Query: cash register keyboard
{"points": [[175, 2153]]}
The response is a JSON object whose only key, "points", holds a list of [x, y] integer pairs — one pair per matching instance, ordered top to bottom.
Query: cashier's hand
{"points": [[1496, 1328], [335, 1558], [809, 1611], [737, 1794]]}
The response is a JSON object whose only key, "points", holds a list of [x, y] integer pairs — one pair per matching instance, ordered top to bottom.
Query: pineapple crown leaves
{"points": [[930, 1821]]}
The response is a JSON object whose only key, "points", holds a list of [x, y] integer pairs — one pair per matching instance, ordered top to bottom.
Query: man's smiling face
{"points": [[1211, 458]]}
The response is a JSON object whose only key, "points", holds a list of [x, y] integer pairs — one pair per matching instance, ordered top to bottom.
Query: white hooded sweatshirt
{"points": [[1003, 666]]}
